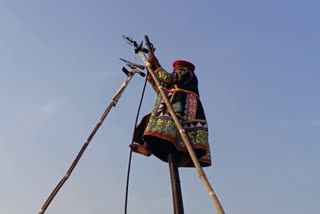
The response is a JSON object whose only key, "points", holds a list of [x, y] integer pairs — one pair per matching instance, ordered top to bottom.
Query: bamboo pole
{"points": [[112, 104], [184, 136]]}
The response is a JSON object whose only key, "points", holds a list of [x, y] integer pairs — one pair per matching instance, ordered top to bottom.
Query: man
{"points": [[158, 134]]}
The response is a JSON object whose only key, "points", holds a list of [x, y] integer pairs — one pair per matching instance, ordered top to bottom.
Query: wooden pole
{"points": [[113, 103], [184, 136], [175, 186]]}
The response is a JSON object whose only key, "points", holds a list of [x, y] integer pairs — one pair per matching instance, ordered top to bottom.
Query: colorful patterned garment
{"points": [[158, 129]]}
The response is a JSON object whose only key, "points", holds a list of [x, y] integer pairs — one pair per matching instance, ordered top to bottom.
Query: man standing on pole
{"points": [[158, 134]]}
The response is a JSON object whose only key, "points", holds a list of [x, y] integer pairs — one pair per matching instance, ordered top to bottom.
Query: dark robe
{"points": [[158, 128]]}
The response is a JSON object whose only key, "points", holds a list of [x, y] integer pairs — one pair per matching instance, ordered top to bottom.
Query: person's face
{"points": [[181, 70]]}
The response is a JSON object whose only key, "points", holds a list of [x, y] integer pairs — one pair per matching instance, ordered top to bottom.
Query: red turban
{"points": [[183, 63]]}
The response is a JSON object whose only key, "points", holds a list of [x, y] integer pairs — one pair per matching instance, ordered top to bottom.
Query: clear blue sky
{"points": [[258, 67]]}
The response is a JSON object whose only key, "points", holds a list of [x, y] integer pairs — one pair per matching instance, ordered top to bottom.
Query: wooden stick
{"points": [[113, 103], [185, 138]]}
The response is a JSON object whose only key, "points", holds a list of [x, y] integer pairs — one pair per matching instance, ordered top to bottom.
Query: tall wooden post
{"points": [[175, 186]]}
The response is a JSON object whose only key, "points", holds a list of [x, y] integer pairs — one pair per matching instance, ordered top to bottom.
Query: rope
{"points": [[130, 154]]}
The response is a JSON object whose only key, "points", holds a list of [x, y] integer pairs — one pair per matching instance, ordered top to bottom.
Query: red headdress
{"points": [[183, 63]]}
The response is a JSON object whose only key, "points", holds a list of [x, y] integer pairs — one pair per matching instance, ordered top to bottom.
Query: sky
{"points": [[258, 68]]}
